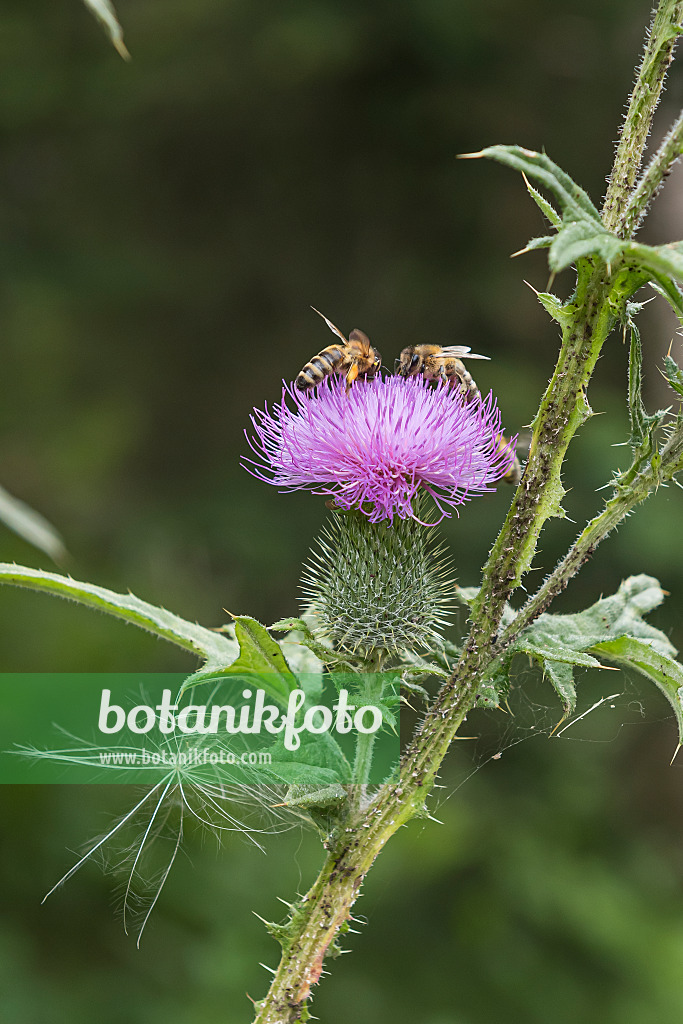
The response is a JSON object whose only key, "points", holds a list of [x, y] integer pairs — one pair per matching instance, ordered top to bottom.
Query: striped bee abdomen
{"points": [[320, 366]]}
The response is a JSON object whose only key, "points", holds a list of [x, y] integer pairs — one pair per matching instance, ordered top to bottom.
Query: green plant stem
{"points": [[657, 57], [648, 186], [659, 471], [366, 741], [317, 918]]}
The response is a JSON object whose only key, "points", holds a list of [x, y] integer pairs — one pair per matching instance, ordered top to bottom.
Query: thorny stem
{"points": [[657, 57], [658, 168], [657, 473], [318, 918]]}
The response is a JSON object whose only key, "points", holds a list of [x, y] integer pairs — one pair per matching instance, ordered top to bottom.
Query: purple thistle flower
{"points": [[374, 447]]}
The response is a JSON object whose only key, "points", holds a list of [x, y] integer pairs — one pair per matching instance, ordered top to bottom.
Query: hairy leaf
{"points": [[572, 199], [542, 203], [580, 238], [664, 260], [554, 306], [674, 374], [560, 642], [216, 650], [260, 656], [643, 656], [319, 756]]}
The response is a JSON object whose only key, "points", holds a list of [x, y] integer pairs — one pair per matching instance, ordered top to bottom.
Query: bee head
{"points": [[407, 364]]}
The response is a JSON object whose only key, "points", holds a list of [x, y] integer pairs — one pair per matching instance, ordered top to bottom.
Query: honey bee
{"points": [[354, 357], [437, 363]]}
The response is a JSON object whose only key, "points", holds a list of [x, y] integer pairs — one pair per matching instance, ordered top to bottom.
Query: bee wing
{"points": [[335, 330], [461, 352]]}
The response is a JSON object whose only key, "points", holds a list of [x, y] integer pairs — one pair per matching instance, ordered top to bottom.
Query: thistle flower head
{"points": [[375, 447]]}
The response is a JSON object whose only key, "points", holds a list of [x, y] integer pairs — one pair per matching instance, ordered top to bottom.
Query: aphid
{"points": [[354, 357], [437, 363]]}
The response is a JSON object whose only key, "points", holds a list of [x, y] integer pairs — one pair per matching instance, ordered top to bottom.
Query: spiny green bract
{"points": [[376, 587]]}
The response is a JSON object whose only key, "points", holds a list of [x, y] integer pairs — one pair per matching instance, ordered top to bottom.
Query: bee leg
{"points": [[351, 376]]}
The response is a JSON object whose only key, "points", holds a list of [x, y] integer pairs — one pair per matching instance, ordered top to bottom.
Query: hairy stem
{"points": [[657, 57], [648, 186], [659, 471]]}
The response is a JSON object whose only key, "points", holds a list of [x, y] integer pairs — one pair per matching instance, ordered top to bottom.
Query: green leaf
{"points": [[104, 11], [570, 196], [544, 206], [581, 238], [543, 242], [664, 260], [670, 291], [553, 306], [674, 374], [643, 426], [30, 525], [468, 595], [622, 613], [299, 631], [560, 642], [545, 647], [213, 648], [298, 648], [260, 656], [414, 666], [665, 672], [561, 675], [493, 688], [320, 752], [297, 773], [317, 798]]}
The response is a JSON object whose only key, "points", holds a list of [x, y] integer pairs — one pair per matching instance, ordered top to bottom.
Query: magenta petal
{"points": [[374, 447]]}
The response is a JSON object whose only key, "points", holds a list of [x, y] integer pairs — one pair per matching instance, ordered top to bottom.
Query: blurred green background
{"points": [[166, 225]]}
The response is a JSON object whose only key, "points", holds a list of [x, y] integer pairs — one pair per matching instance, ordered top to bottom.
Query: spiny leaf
{"points": [[570, 196], [544, 206], [578, 239], [543, 242], [664, 260], [670, 291], [553, 306], [674, 374], [642, 425], [619, 614], [300, 633], [560, 642], [218, 651], [260, 656], [665, 672], [561, 675], [320, 752], [317, 797]]}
